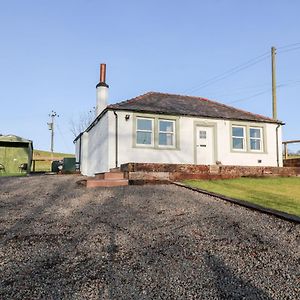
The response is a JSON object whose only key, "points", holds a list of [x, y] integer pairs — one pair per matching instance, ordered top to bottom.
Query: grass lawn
{"points": [[282, 193]]}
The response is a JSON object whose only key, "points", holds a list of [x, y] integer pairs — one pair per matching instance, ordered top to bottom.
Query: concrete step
{"points": [[110, 175], [106, 182]]}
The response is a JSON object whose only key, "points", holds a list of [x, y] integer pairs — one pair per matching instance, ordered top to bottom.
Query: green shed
{"points": [[15, 154]]}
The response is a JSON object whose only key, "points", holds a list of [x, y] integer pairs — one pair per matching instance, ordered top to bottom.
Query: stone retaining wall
{"points": [[292, 162], [146, 172]]}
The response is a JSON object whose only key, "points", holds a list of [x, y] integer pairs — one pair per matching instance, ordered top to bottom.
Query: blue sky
{"points": [[50, 54]]}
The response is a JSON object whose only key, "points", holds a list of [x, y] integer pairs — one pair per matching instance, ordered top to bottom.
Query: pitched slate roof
{"points": [[162, 103]]}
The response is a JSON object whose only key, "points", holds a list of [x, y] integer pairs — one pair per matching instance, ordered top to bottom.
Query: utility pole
{"points": [[274, 100], [52, 115]]}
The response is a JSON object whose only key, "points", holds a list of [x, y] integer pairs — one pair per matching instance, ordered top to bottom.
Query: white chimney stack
{"points": [[101, 91]]}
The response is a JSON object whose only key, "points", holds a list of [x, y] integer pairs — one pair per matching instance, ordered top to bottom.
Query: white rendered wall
{"points": [[101, 99], [77, 146], [185, 154], [97, 157], [84, 165]]}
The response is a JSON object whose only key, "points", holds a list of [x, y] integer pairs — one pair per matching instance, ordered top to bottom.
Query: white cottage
{"points": [[175, 129]]}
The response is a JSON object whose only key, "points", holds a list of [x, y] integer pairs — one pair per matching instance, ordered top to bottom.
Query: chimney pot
{"points": [[102, 73], [101, 91]]}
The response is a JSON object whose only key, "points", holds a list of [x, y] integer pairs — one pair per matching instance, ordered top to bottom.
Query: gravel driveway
{"points": [[61, 241]]}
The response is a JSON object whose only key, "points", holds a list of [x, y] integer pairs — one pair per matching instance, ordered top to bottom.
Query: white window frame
{"points": [[142, 130], [167, 132], [239, 137], [253, 138]]}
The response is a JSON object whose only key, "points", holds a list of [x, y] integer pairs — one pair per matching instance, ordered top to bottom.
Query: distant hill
{"points": [[42, 153], [41, 166]]}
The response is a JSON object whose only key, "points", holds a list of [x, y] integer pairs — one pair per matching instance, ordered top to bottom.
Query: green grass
{"points": [[43, 153], [292, 156], [45, 166], [12, 174], [282, 194]]}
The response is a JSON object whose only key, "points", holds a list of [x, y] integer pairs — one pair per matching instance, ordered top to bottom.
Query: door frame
{"points": [[212, 125]]}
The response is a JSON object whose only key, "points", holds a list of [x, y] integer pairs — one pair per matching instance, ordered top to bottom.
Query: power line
{"points": [[288, 46], [288, 50], [241, 67], [231, 72], [238, 90], [266, 91], [250, 97]]}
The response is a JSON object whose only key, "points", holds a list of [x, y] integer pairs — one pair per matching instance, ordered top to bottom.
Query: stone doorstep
{"points": [[115, 170], [110, 175], [105, 179], [106, 182]]}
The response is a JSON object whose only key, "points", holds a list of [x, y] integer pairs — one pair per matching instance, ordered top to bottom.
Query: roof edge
{"points": [[96, 120], [268, 120]]}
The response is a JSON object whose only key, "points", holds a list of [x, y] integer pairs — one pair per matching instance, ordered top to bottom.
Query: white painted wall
{"points": [[101, 99], [77, 145], [98, 146], [97, 152], [185, 155], [84, 160]]}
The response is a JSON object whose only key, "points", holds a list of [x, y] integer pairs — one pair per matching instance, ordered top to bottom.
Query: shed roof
{"points": [[163, 103], [14, 139]]}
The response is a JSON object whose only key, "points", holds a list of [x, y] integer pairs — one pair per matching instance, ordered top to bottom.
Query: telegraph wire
{"points": [[288, 46], [288, 50], [241, 67], [230, 72], [296, 82], [238, 90], [250, 97]]}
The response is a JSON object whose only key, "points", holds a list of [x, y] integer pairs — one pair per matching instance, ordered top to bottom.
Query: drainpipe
{"points": [[116, 138], [277, 151], [79, 155]]}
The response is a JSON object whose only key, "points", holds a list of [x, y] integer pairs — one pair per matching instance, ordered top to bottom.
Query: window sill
{"points": [[156, 147]]}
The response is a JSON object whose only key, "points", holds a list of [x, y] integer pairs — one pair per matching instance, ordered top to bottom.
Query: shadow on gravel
{"points": [[129, 243], [228, 284]]}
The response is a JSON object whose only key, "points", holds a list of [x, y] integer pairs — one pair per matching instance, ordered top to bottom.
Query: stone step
{"points": [[115, 170], [110, 175], [106, 182]]}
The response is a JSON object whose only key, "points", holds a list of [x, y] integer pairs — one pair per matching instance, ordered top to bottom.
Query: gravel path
{"points": [[61, 241]]}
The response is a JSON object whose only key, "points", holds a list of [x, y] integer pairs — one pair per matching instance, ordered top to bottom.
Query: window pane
{"points": [[144, 124], [166, 126], [238, 131], [255, 132], [202, 134], [143, 138], [166, 139], [237, 143], [255, 144]]}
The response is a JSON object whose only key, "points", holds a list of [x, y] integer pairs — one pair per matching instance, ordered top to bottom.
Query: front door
{"points": [[204, 145]]}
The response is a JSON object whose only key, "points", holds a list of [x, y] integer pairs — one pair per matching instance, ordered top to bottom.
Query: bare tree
{"points": [[81, 123]]}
